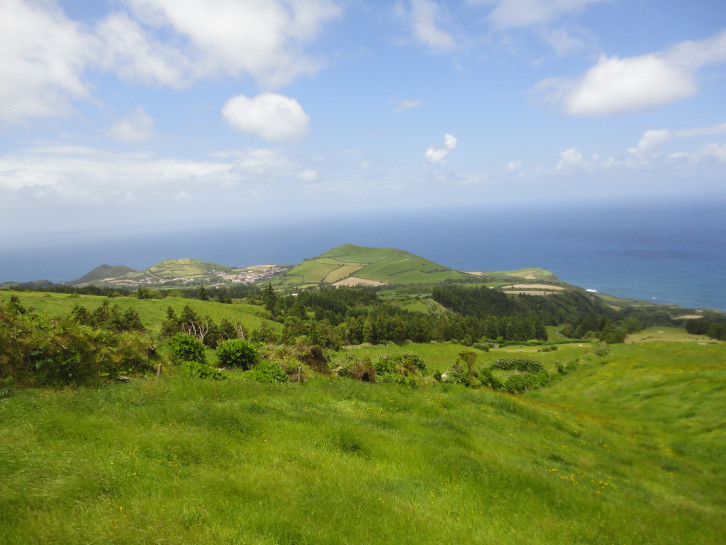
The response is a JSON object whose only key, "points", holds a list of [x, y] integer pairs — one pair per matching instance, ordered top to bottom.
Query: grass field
{"points": [[151, 311], [625, 450]]}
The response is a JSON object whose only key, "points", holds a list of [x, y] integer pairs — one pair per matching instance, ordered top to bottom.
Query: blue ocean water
{"points": [[667, 253]]}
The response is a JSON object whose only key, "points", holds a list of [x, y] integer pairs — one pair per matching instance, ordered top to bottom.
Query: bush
{"points": [[185, 347], [38, 351], [236, 353], [406, 364], [518, 364], [201, 370], [359, 370], [269, 371], [488, 380]]}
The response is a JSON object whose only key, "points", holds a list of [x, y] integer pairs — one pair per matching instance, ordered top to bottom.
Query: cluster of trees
{"points": [[580, 314], [108, 317], [335, 317], [204, 328], [716, 329]]}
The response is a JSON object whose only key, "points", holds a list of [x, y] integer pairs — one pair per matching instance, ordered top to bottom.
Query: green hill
{"points": [[359, 265], [183, 268], [167, 271], [101, 274]]}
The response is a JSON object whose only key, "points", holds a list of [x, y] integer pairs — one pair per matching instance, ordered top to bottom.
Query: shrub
{"points": [[185, 347], [38, 351], [236, 353], [405, 364], [518, 364], [201, 370], [359, 370], [269, 371], [488, 380]]}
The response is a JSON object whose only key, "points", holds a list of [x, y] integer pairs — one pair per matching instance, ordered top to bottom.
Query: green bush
{"points": [[185, 347], [37, 351], [236, 353], [518, 364], [201, 370], [269, 371], [488, 380]]}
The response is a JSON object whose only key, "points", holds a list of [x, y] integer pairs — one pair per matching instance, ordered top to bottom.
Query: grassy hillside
{"points": [[380, 265], [101, 273], [151, 311], [625, 450]]}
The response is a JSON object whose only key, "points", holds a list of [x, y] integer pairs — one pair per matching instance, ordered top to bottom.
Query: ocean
{"points": [[664, 253]]}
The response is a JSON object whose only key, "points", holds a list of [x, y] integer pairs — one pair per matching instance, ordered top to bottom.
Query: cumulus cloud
{"points": [[424, 19], [261, 39], [45, 56], [42, 58], [617, 85], [400, 106], [269, 115], [136, 128], [650, 142], [436, 155], [570, 159]]}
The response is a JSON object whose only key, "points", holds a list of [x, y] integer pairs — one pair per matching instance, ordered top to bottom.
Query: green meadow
{"points": [[152, 312], [627, 449]]}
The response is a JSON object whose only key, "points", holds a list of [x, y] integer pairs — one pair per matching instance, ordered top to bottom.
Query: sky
{"points": [[142, 116]]}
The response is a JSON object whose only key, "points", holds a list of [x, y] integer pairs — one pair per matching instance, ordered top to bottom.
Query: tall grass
{"points": [[181, 460]]}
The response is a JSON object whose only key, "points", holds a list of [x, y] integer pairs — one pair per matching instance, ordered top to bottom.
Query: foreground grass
{"points": [[625, 450]]}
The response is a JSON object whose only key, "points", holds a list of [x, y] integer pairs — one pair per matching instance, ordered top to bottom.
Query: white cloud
{"points": [[523, 13], [424, 19], [261, 38], [562, 41], [130, 50], [44, 55], [42, 58], [617, 85], [400, 106], [269, 115], [136, 128], [703, 131], [650, 142], [711, 151], [436, 155], [570, 159], [365, 164], [513, 165], [79, 175], [308, 175]]}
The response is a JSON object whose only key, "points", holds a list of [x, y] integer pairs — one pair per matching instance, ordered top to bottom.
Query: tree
{"points": [[203, 293], [269, 298]]}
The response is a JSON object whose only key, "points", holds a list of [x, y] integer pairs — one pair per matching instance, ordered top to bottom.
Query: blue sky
{"points": [[146, 115]]}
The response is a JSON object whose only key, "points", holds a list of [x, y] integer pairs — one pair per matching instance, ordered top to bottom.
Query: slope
{"points": [[370, 265], [101, 274], [190, 461]]}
